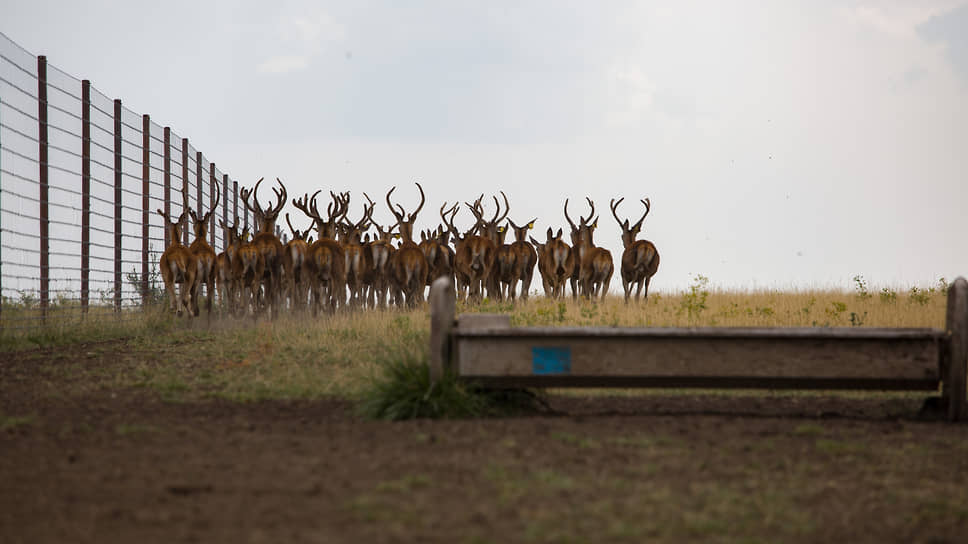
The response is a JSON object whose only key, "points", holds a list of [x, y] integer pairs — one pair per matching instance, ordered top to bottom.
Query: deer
{"points": [[269, 246], [380, 251], [205, 256], [476, 256], [440, 257], [525, 258], [357, 259], [326, 260], [640, 260], [556, 261], [595, 265], [178, 266], [294, 266], [408, 266], [248, 268], [461, 271], [502, 275], [225, 281]]}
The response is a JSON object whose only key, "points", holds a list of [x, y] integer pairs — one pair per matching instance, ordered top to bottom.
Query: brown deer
{"points": [[268, 244], [482, 249], [380, 251], [205, 256], [440, 257], [525, 258], [357, 259], [640, 260], [326, 261], [556, 261], [595, 265], [178, 266], [408, 266], [294, 267], [248, 268], [461, 270], [502, 275], [225, 281]]}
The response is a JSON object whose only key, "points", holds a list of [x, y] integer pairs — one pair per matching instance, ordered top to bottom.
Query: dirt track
{"points": [[125, 466]]}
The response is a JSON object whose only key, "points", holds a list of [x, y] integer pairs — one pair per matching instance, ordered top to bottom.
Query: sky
{"points": [[781, 144]]}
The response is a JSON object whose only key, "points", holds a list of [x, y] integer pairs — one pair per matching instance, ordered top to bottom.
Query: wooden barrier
{"points": [[486, 349]]}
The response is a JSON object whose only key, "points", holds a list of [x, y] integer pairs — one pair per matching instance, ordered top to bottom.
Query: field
{"points": [[151, 429]]}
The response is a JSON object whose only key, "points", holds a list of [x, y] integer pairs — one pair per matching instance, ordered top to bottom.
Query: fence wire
{"points": [[125, 184]]}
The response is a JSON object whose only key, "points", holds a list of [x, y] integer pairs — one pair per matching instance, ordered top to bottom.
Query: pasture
{"points": [[152, 428]]}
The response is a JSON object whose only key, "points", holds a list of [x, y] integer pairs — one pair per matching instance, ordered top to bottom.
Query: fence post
{"points": [[199, 176], [185, 184], [44, 187], [85, 194], [167, 194], [145, 202], [211, 202], [235, 203], [117, 205], [225, 205], [1, 225], [443, 301], [956, 323]]}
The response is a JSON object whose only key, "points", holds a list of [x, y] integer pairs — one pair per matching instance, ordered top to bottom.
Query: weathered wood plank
{"points": [[442, 308], [956, 353], [647, 355], [703, 382]]}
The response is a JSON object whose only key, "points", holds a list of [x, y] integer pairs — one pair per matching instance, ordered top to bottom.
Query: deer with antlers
{"points": [[268, 244], [380, 251], [205, 256], [440, 257], [357, 259], [524, 259], [640, 260], [326, 261], [556, 261], [594, 264], [408, 265], [178, 266], [248, 267], [294, 267], [461, 270], [225, 281]]}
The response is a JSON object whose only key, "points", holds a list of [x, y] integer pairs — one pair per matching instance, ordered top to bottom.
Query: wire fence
{"points": [[81, 178]]}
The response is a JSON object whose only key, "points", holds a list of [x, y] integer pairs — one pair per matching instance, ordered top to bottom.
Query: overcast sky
{"points": [[782, 144]]}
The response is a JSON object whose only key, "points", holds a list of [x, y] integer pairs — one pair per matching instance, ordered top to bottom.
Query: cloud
{"points": [[898, 19], [949, 29], [284, 64], [630, 94]]}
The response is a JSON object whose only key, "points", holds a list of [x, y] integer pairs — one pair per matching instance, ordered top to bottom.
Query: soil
{"points": [[123, 465]]}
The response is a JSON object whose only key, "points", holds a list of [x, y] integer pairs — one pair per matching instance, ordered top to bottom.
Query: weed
{"points": [[860, 286], [888, 296], [919, 296], [694, 301]]}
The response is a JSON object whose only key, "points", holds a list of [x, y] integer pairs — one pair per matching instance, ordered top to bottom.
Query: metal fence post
{"points": [[199, 176], [44, 187], [85, 194], [145, 203], [117, 205], [225, 205]]}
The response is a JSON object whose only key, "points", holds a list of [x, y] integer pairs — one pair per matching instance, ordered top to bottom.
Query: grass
{"points": [[382, 355]]}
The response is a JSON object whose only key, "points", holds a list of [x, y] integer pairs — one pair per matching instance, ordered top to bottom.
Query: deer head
{"points": [[266, 216], [404, 221], [629, 232]]}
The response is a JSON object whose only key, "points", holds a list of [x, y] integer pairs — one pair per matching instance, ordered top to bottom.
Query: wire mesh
{"points": [[21, 203]]}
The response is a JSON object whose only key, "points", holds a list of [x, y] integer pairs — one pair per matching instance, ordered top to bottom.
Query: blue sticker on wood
{"points": [[551, 360]]}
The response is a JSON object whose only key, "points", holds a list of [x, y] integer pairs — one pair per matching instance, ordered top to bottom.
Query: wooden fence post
{"points": [[199, 180], [185, 184], [44, 186], [85, 194], [167, 194], [211, 202], [145, 203], [235, 203], [117, 205], [225, 205], [443, 305], [957, 328]]}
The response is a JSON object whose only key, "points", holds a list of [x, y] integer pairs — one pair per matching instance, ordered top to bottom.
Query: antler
{"points": [[281, 195], [307, 205], [614, 206], [648, 206], [507, 208], [453, 212], [590, 215], [399, 216], [413, 216], [570, 222]]}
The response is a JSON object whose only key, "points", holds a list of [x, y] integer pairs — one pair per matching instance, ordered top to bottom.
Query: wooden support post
{"points": [[212, 180], [199, 181], [167, 182], [185, 185], [44, 186], [85, 194], [145, 203], [235, 203], [117, 205], [225, 206], [443, 302], [953, 374]]}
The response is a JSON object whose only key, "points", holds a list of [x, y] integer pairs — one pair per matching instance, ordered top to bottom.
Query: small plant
{"points": [[860, 285], [943, 286], [888, 296], [919, 296], [694, 301], [836, 308], [857, 320]]}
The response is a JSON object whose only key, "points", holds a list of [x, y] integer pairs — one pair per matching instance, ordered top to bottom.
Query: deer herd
{"points": [[348, 266]]}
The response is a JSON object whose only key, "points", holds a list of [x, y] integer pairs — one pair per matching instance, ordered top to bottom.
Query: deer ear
{"points": [[595, 224], [531, 225], [500, 229], [559, 233]]}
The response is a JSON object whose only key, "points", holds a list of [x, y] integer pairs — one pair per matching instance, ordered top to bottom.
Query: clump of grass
{"points": [[402, 389]]}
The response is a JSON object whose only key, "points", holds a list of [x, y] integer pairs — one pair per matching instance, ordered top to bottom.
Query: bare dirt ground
{"points": [[107, 464]]}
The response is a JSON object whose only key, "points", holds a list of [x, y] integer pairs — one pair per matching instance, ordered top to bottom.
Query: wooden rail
{"points": [[486, 349]]}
